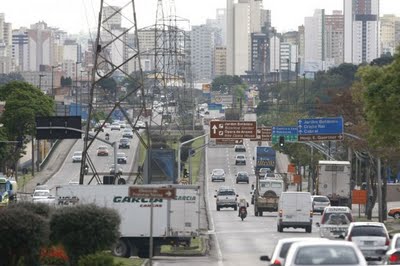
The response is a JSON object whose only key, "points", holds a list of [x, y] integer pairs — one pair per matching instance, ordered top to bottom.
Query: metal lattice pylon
{"points": [[112, 52]]}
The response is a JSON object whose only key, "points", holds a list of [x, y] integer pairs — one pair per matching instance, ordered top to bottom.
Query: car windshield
{"points": [[102, 148], [77, 153], [121, 155], [240, 157], [218, 172], [242, 174], [226, 193], [41, 194], [320, 199], [337, 218], [367, 230], [397, 244], [284, 249], [326, 255]]}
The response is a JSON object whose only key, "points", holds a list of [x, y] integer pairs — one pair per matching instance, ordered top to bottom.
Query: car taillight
{"points": [[280, 213], [311, 214], [387, 243], [394, 257], [276, 262]]}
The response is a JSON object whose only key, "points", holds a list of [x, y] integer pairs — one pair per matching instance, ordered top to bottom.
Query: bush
{"points": [[40, 209], [84, 229], [22, 234], [98, 259]]}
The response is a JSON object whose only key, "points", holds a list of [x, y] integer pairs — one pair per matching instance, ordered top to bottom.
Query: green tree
{"points": [[224, 83], [380, 98], [84, 229], [23, 233]]}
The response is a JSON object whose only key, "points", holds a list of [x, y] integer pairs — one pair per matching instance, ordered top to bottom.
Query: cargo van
{"points": [[295, 210]]}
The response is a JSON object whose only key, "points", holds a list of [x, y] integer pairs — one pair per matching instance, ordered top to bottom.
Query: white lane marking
{"points": [[211, 219]]}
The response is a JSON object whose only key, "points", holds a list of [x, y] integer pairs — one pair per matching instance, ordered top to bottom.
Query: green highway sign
{"points": [[289, 133]]}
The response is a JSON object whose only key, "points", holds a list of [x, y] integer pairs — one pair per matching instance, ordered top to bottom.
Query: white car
{"points": [[140, 123], [115, 126], [127, 133], [77, 157], [240, 159], [218, 174], [43, 196], [226, 198], [320, 203], [371, 238], [282, 247], [325, 253]]}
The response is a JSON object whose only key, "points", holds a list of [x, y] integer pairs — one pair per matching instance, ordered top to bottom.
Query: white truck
{"points": [[334, 181], [266, 195], [175, 221]]}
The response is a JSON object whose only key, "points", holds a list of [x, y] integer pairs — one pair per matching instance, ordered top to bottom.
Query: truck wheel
{"points": [[218, 208], [235, 208], [260, 213], [308, 229], [121, 249]]}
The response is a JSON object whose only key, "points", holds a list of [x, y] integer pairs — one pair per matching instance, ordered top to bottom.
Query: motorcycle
{"points": [[107, 136], [86, 170], [243, 212]]}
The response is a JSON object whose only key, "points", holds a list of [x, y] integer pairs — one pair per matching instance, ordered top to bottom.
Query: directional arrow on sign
{"points": [[214, 128]]}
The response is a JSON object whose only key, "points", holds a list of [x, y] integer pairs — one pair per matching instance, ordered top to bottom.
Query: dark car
{"points": [[124, 143], [240, 148], [121, 158], [242, 177]]}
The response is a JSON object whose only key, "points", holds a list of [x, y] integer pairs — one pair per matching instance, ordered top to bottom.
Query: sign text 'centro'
{"points": [[233, 129]]}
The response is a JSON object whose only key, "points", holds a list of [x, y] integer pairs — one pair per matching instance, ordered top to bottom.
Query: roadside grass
{"points": [[195, 160], [196, 248], [128, 261]]}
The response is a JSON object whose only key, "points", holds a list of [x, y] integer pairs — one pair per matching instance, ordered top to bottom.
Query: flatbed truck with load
{"points": [[334, 181], [175, 221]]}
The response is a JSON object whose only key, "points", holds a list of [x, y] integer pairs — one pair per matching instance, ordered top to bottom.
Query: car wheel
{"points": [[237, 182], [218, 208], [235, 208], [396, 215], [280, 228], [308, 229]]}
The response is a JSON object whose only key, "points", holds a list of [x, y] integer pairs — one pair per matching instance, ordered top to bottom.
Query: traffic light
{"points": [[281, 141]]}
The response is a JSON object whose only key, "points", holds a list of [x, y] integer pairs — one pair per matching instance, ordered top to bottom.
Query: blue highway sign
{"points": [[322, 129], [290, 134]]}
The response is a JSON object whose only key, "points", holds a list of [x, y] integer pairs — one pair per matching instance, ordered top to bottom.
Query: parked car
{"points": [[127, 133], [124, 143], [240, 148], [102, 151], [77, 157], [121, 158], [240, 159], [218, 174], [241, 177], [226, 198], [320, 203], [395, 213], [335, 222], [371, 238], [282, 247], [325, 253]]}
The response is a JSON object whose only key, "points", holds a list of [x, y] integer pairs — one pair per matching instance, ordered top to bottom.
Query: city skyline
{"points": [[81, 15]]}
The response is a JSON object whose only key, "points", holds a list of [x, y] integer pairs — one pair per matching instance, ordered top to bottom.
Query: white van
{"points": [[295, 210]]}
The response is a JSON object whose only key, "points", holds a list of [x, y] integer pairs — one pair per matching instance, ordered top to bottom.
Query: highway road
{"points": [[69, 171], [236, 242]]}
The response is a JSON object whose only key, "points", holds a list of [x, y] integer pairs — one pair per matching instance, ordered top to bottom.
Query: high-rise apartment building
{"points": [[112, 17], [243, 18], [220, 24], [389, 25], [361, 31], [334, 33], [40, 46], [202, 48], [20, 49], [259, 51], [314, 52], [275, 54], [219, 61], [6, 65]]}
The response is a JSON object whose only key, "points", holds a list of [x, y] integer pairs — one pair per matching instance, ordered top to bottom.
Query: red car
{"points": [[102, 151], [395, 213]]}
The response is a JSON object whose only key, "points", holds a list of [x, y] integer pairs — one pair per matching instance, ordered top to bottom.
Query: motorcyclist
{"points": [[107, 136], [242, 204]]}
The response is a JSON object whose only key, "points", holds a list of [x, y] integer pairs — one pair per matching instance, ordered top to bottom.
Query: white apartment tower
{"points": [[243, 18], [389, 26], [361, 31], [5, 46], [314, 49], [202, 52]]}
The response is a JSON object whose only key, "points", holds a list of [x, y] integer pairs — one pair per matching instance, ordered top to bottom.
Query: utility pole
{"points": [[76, 87]]}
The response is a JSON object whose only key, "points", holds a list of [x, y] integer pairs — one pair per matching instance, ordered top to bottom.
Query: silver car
{"points": [[218, 174], [320, 203], [371, 238], [325, 253]]}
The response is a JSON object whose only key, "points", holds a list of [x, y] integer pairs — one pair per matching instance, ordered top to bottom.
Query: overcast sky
{"points": [[75, 16]]}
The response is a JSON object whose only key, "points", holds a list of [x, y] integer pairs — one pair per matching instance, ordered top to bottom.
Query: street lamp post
{"points": [[76, 88], [304, 89]]}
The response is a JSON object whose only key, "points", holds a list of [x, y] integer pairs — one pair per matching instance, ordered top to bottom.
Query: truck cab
{"points": [[8, 191]]}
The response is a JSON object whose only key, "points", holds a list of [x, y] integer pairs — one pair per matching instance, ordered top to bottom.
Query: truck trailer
{"points": [[334, 181], [175, 221]]}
